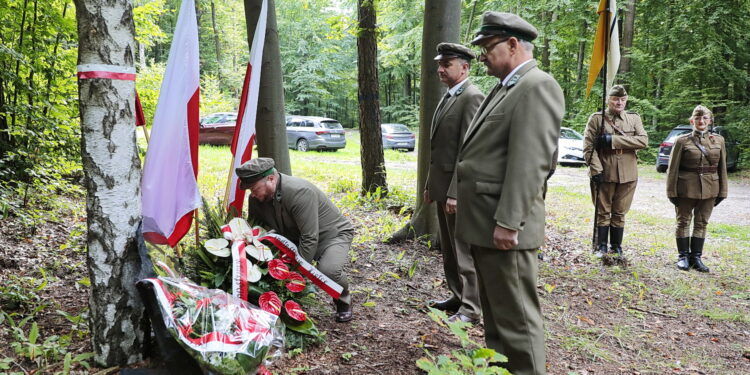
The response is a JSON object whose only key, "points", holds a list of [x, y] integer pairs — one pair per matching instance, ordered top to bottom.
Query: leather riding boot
{"points": [[615, 240], [601, 245], [683, 248], [696, 251]]}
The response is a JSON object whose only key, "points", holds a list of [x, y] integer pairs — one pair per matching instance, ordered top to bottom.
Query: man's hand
{"points": [[597, 178], [426, 197], [674, 200], [718, 200], [451, 206], [504, 239]]}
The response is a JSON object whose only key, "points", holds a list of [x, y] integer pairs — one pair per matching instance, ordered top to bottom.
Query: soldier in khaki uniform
{"points": [[449, 124], [609, 148], [502, 167], [696, 182], [298, 210]]}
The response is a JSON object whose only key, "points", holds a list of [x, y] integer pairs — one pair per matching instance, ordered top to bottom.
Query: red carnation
{"points": [[278, 269], [295, 282], [270, 302], [294, 310]]}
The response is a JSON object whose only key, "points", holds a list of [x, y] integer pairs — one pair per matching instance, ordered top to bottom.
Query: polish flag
{"points": [[244, 131], [169, 189]]}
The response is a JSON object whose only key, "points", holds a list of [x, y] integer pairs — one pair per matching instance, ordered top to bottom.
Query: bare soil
{"points": [[592, 329]]}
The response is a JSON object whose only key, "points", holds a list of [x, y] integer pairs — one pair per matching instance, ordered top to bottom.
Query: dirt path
{"points": [[650, 196]]}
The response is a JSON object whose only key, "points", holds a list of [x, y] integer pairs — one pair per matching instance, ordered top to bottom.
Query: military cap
{"points": [[504, 24], [450, 50], [617, 90], [701, 111], [253, 170]]}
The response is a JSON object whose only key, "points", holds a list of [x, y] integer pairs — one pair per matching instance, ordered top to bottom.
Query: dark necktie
{"points": [[440, 107]]}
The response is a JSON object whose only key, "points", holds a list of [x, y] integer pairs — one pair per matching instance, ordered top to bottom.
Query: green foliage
{"points": [[472, 358]]}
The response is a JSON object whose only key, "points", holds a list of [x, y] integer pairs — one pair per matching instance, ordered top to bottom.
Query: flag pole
{"points": [[145, 132], [229, 185], [595, 232], [197, 236]]}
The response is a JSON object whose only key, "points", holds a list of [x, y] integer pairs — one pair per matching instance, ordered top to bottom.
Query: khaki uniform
{"points": [[449, 124], [619, 165], [502, 167], [696, 180], [305, 215]]}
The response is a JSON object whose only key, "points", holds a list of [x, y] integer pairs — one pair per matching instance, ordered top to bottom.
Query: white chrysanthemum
{"points": [[218, 247]]}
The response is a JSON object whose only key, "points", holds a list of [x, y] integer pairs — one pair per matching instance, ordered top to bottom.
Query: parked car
{"points": [[217, 128], [305, 133], [398, 136], [570, 148], [665, 148]]}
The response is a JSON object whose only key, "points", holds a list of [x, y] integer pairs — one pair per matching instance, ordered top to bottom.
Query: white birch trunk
{"points": [[106, 35]]}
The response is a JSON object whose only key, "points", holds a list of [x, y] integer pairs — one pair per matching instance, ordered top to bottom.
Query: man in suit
{"points": [[449, 124], [609, 147], [502, 168], [298, 210]]}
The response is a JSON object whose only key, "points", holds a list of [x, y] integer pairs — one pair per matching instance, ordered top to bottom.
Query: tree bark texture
{"points": [[442, 19], [628, 30], [106, 35], [270, 129], [372, 159]]}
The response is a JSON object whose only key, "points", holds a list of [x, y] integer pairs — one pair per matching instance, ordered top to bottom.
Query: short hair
{"points": [[528, 46]]}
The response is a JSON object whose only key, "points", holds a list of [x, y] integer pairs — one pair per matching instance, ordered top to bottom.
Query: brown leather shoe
{"points": [[451, 304], [343, 312], [461, 317]]}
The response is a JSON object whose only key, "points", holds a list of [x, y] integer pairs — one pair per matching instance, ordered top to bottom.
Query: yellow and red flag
{"points": [[607, 41]]}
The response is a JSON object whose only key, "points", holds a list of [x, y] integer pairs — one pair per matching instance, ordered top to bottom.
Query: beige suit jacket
{"points": [[449, 125], [505, 158], [682, 182], [302, 213]]}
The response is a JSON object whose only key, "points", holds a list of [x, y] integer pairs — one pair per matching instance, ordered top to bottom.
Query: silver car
{"points": [[305, 133], [398, 136]]}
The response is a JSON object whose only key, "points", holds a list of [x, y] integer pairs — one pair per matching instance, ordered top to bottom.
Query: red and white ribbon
{"points": [[116, 72], [239, 270], [313, 274]]}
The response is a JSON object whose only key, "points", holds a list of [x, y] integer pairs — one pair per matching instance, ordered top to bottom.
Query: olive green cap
{"points": [[504, 24], [447, 50], [617, 90], [700, 111], [253, 170]]}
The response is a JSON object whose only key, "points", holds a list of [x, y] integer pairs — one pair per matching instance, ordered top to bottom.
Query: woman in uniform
{"points": [[696, 183]]}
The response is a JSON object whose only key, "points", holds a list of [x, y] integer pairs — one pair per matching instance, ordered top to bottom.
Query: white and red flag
{"points": [[244, 132], [169, 187]]}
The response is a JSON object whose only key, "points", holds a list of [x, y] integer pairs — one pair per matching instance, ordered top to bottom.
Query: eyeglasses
{"points": [[483, 50]]}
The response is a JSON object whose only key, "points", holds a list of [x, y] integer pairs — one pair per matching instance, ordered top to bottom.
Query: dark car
{"points": [[217, 128], [305, 133], [398, 136], [665, 148]]}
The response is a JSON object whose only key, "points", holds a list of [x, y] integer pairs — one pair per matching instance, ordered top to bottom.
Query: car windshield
{"points": [[231, 118], [331, 125], [396, 128], [676, 133], [570, 134]]}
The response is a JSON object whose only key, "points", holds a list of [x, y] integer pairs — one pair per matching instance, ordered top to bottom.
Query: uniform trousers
{"points": [[614, 203], [696, 210], [333, 258], [460, 274], [513, 322]]}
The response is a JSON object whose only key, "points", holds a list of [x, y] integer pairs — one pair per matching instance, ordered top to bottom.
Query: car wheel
{"points": [[302, 145], [410, 149], [661, 168]]}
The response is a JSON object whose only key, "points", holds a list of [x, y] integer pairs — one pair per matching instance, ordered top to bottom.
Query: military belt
{"points": [[607, 151], [700, 170]]}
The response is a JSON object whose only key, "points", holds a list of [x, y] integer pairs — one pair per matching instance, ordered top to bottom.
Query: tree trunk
{"points": [[442, 20], [628, 30], [106, 35], [217, 42], [271, 124], [373, 162]]}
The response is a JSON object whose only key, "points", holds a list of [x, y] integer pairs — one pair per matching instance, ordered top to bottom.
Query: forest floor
{"points": [[645, 317]]}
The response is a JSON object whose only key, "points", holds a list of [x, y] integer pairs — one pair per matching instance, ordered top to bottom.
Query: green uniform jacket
{"points": [[448, 129], [505, 158], [622, 167], [682, 182], [302, 213]]}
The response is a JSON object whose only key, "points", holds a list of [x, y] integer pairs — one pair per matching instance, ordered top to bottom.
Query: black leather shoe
{"points": [[450, 304], [343, 312], [463, 318]]}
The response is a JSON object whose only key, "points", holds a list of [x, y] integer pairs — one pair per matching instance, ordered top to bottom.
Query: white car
{"points": [[570, 150]]}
